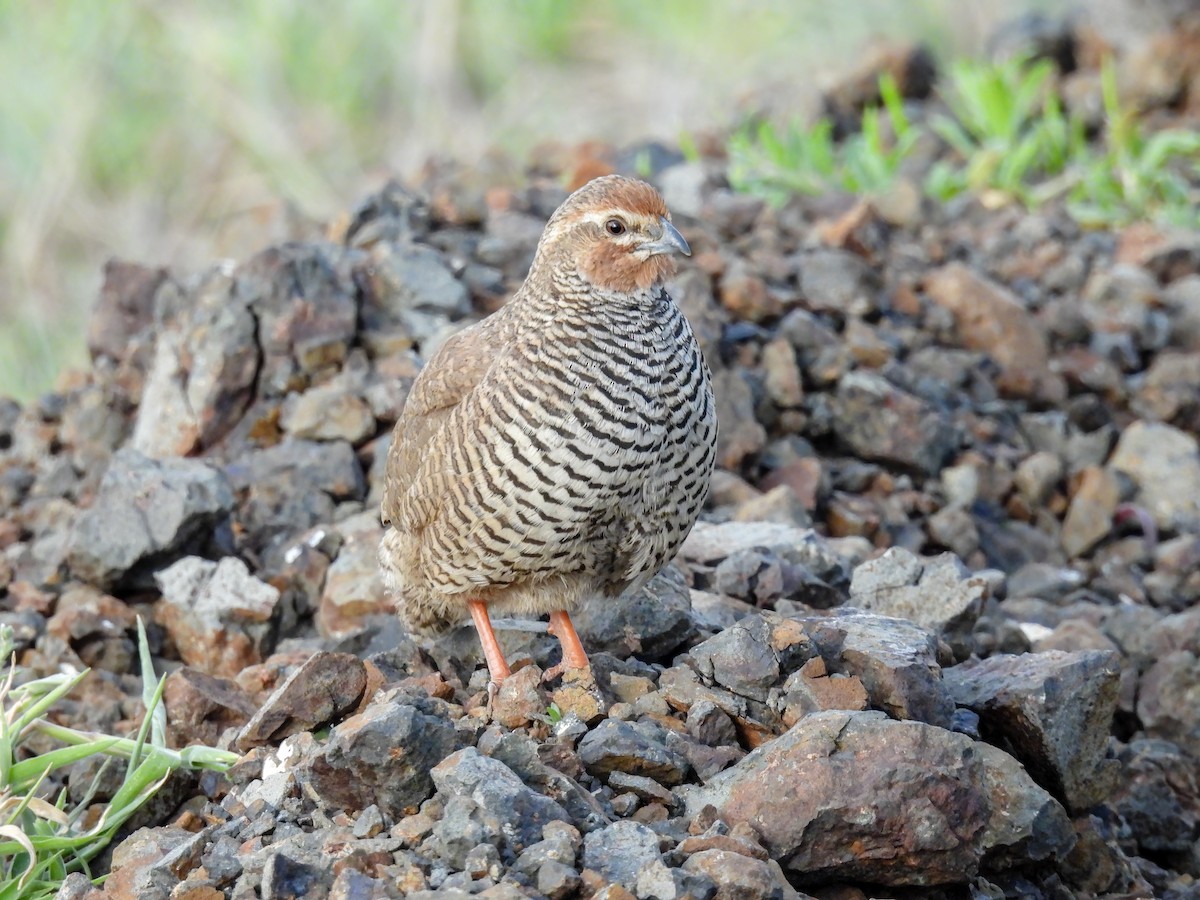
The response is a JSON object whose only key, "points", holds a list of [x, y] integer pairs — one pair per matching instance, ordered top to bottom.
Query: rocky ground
{"points": [[935, 636]]}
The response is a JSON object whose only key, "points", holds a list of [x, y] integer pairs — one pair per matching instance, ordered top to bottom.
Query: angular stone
{"points": [[992, 319], [202, 375], [327, 412], [879, 421], [741, 436], [1164, 463], [286, 489], [145, 512], [1089, 517], [353, 589], [939, 593], [218, 614], [651, 623], [895, 659], [321, 690], [1166, 700], [200, 707], [1053, 711], [637, 749], [382, 756], [500, 794], [939, 807], [619, 852], [740, 877]]}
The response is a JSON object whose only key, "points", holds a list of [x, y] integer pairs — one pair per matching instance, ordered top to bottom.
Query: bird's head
{"points": [[618, 233]]}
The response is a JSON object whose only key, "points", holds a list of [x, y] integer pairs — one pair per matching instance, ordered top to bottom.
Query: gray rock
{"points": [[838, 281], [413, 292], [201, 377], [879, 421], [741, 437], [1164, 463], [292, 486], [145, 512], [353, 589], [939, 594], [219, 616], [651, 623], [753, 655], [896, 660], [1166, 700], [1053, 711], [638, 749], [360, 765], [915, 782], [496, 795], [1158, 796], [619, 852], [741, 877], [657, 881]]}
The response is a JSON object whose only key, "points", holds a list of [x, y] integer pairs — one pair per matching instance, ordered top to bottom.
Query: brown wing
{"points": [[454, 371]]}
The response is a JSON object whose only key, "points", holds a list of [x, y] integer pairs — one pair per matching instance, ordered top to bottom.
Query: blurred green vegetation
{"points": [[173, 133], [1008, 138]]}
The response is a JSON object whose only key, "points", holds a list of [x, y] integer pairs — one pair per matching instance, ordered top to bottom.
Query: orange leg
{"points": [[491, 647], [573, 656]]}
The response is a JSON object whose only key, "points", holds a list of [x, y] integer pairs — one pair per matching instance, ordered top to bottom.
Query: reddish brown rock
{"points": [[992, 319]]}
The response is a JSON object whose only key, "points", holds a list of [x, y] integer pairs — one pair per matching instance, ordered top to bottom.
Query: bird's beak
{"points": [[670, 242]]}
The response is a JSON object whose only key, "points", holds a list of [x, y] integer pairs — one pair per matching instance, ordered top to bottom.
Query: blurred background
{"points": [[184, 132]]}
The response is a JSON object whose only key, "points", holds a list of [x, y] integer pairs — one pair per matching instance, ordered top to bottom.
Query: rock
{"points": [[838, 281], [413, 292], [746, 296], [124, 311], [991, 319], [782, 374], [201, 377], [1170, 390], [327, 412], [879, 421], [743, 436], [1164, 463], [1037, 476], [286, 489], [145, 512], [1089, 517], [353, 589], [938, 594], [218, 614], [651, 623], [96, 625], [753, 655], [895, 659], [811, 689], [321, 690], [519, 701], [1165, 702], [200, 707], [1052, 711], [709, 724], [636, 749], [382, 756], [497, 794], [1158, 796], [941, 807], [618, 853], [740, 877]]}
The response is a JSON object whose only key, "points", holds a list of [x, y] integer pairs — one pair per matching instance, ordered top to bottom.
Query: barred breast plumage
{"points": [[562, 447]]}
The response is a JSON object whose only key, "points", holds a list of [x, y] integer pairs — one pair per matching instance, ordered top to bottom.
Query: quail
{"points": [[559, 450]]}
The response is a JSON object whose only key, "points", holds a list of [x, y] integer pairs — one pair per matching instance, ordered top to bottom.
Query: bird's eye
{"points": [[614, 227]]}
